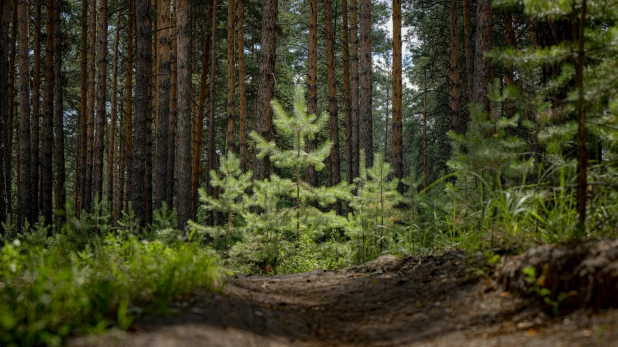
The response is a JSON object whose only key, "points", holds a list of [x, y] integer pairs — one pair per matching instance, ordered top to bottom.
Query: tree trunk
{"points": [[467, 17], [484, 43], [454, 68], [510, 74], [312, 83], [354, 87], [266, 88], [346, 94], [163, 102], [128, 103], [4, 106], [11, 108], [36, 109], [141, 109], [83, 111], [101, 111], [184, 112], [365, 116], [112, 127], [199, 127], [425, 130], [242, 131], [229, 137], [397, 141], [212, 145], [171, 154], [582, 155], [335, 167], [47, 177], [24, 182], [88, 191], [61, 196]]}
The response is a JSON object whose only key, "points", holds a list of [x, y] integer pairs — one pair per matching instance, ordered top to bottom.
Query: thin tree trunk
{"points": [[183, 11], [467, 18], [484, 43], [510, 74], [312, 82], [354, 87], [266, 88], [231, 90], [454, 92], [346, 95], [163, 101], [101, 102], [11, 106], [128, 106], [36, 109], [141, 109], [83, 110], [114, 112], [386, 114], [365, 116], [199, 126], [425, 130], [242, 131], [397, 140], [212, 145], [171, 154], [582, 155], [335, 171], [5, 172], [47, 177], [24, 181], [88, 191], [61, 196]]}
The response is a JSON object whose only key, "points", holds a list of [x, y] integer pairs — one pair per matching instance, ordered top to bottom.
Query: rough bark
{"points": [[467, 18], [484, 43], [509, 78], [312, 82], [231, 85], [354, 87], [266, 88], [454, 92], [101, 102], [163, 102], [397, 104], [128, 105], [4, 107], [11, 107], [36, 109], [83, 110], [184, 112], [365, 116], [112, 121], [140, 125], [242, 129], [425, 130], [212, 145], [171, 154], [582, 154], [334, 172], [349, 176], [47, 178], [24, 180], [88, 191], [61, 195]]}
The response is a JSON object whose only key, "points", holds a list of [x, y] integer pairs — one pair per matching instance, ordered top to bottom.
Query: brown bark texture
{"points": [[484, 43], [312, 83], [231, 85], [354, 87], [366, 92], [454, 92], [346, 93], [101, 102], [163, 102], [397, 104], [242, 107], [5, 172], [47, 178], [24, 191], [61, 196]]}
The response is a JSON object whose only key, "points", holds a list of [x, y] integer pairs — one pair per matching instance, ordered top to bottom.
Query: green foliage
{"points": [[48, 293]]}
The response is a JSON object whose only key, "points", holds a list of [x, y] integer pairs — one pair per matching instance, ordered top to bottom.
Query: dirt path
{"points": [[432, 301]]}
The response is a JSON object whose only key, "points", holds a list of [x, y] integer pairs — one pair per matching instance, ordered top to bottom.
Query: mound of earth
{"points": [[423, 301]]}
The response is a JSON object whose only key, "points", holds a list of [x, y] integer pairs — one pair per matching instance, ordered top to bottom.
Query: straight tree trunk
{"points": [[183, 11], [467, 17], [484, 43], [510, 74], [312, 82], [354, 87], [266, 88], [241, 89], [231, 90], [454, 92], [346, 94], [101, 102], [163, 102], [128, 105], [11, 106], [4, 107], [36, 108], [141, 109], [83, 110], [113, 115], [365, 116], [386, 119], [199, 126], [425, 130], [149, 137], [397, 140], [212, 145], [171, 154], [582, 154], [335, 171], [47, 177], [24, 181], [88, 191], [61, 195]]}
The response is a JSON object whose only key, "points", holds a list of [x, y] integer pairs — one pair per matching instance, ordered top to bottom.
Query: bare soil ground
{"points": [[429, 301]]}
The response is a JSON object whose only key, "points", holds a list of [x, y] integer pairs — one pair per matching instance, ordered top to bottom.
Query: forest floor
{"points": [[417, 301]]}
